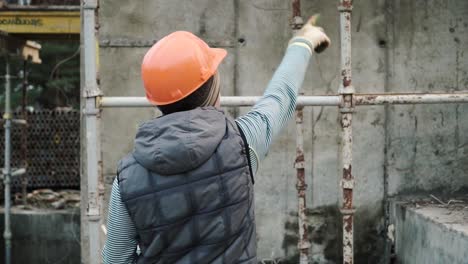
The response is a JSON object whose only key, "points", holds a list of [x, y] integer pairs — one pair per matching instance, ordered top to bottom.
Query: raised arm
{"points": [[271, 113]]}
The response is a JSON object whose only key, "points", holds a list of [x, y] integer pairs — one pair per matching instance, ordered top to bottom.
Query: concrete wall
{"points": [[398, 46], [427, 146], [43, 236]]}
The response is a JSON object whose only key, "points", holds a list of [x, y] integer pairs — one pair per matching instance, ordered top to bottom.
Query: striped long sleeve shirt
{"points": [[260, 125]]}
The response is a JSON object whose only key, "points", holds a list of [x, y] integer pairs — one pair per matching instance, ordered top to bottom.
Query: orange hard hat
{"points": [[177, 66]]}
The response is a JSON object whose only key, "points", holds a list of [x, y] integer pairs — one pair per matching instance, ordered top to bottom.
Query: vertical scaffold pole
{"points": [[346, 90], [91, 114], [7, 167], [301, 186]]}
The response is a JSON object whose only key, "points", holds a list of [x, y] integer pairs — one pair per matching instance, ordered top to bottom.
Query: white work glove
{"points": [[312, 34]]}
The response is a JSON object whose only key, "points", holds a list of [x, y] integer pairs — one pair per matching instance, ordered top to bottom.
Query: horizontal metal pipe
{"points": [[435, 98], [321, 100], [225, 101]]}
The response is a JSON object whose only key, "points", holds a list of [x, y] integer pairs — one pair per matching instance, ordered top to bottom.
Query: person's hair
{"points": [[190, 102]]}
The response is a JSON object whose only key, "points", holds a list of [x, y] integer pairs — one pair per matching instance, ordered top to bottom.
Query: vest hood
{"points": [[179, 142]]}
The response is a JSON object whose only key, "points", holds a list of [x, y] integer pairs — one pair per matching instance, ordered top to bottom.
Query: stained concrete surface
{"points": [[398, 46], [427, 146], [430, 231], [43, 236]]}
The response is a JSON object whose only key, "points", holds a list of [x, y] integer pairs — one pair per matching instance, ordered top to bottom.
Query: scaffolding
{"points": [[24, 21], [10, 47], [346, 100]]}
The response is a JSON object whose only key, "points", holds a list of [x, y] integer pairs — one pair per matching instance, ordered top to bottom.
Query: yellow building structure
{"points": [[40, 22]]}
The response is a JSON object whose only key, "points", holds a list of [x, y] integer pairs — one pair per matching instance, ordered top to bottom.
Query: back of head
{"points": [[179, 72], [194, 100]]}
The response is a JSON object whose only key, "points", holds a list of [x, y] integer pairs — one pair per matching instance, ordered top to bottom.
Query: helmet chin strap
{"points": [[214, 92]]}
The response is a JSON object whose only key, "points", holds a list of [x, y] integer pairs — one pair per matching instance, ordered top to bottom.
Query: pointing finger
{"points": [[313, 20]]}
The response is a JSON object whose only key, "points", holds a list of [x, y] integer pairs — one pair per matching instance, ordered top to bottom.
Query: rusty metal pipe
{"points": [[296, 8], [296, 20], [416, 98], [346, 108], [301, 186], [303, 243]]}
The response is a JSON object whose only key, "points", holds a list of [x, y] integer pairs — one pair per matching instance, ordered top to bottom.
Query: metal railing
{"points": [[346, 100], [302, 101]]}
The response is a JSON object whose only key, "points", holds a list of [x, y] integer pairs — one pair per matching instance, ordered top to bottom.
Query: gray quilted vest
{"points": [[187, 186]]}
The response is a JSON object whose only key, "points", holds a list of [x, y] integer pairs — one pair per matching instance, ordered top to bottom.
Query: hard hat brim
{"points": [[220, 54]]}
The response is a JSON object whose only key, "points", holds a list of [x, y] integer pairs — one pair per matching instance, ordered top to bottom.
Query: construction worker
{"points": [[185, 193]]}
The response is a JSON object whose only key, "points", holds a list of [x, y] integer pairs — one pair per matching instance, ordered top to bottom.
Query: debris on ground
{"points": [[49, 199]]}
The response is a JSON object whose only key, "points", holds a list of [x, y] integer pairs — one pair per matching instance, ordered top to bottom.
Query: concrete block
{"points": [[430, 232]]}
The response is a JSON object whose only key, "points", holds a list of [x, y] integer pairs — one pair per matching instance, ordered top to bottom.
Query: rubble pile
{"points": [[49, 199]]}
